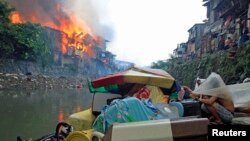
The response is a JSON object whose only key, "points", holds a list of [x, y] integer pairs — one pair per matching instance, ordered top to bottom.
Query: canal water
{"points": [[33, 114]]}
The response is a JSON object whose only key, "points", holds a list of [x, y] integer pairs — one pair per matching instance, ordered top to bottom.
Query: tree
{"points": [[5, 10], [20, 41], [29, 42], [6, 46], [161, 64]]}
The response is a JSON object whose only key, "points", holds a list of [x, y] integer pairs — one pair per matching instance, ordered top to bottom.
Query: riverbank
{"points": [[231, 70], [31, 82]]}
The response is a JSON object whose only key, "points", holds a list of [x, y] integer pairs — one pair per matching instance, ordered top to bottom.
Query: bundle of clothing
{"points": [[149, 103]]}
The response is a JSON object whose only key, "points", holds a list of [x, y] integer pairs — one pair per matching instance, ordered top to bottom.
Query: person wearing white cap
{"points": [[214, 100]]}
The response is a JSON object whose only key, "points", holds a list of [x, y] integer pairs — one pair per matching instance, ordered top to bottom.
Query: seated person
{"points": [[220, 109]]}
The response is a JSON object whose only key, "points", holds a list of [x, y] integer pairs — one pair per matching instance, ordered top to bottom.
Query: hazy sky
{"points": [[149, 30]]}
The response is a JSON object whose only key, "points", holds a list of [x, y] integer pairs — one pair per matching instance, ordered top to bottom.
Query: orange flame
{"points": [[15, 18], [75, 28], [64, 42], [60, 116]]}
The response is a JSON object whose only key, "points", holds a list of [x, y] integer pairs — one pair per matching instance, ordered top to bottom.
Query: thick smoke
{"points": [[40, 10], [92, 12]]}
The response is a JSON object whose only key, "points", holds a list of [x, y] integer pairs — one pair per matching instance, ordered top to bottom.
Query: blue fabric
{"points": [[243, 39], [177, 86], [179, 106], [126, 110]]}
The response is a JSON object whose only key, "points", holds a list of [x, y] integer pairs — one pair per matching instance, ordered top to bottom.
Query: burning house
{"points": [[73, 43]]}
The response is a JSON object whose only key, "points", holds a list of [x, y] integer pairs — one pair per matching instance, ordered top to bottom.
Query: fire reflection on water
{"points": [[61, 116]]}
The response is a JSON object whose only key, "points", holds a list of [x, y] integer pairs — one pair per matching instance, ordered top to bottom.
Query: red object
{"points": [[227, 22], [143, 93], [246, 111]]}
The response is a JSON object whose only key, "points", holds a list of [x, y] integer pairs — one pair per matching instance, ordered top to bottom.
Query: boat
{"points": [[114, 87], [79, 126]]}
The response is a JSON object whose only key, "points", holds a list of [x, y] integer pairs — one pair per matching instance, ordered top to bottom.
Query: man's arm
{"points": [[186, 88], [191, 93], [208, 101]]}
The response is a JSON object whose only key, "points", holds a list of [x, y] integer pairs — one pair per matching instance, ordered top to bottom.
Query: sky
{"points": [[145, 31]]}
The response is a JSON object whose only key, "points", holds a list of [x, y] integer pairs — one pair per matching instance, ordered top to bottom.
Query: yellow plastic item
{"points": [[156, 95], [82, 120], [80, 135]]}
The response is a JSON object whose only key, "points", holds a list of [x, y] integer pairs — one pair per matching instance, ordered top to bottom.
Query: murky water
{"points": [[36, 113]]}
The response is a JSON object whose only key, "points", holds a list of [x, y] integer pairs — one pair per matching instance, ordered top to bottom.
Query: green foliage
{"points": [[5, 10], [21, 41], [28, 41], [6, 46], [5, 49], [243, 55], [163, 64], [230, 70]]}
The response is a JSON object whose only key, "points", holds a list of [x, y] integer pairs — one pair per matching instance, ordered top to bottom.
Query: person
{"points": [[243, 38], [221, 43], [228, 43], [198, 82], [187, 90], [190, 93], [220, 109]]}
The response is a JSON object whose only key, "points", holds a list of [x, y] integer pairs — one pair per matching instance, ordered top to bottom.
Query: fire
{"points": [[15, 17], [33, 19], [73, 26], [78, 34], [64, 42], [60, 116]]}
